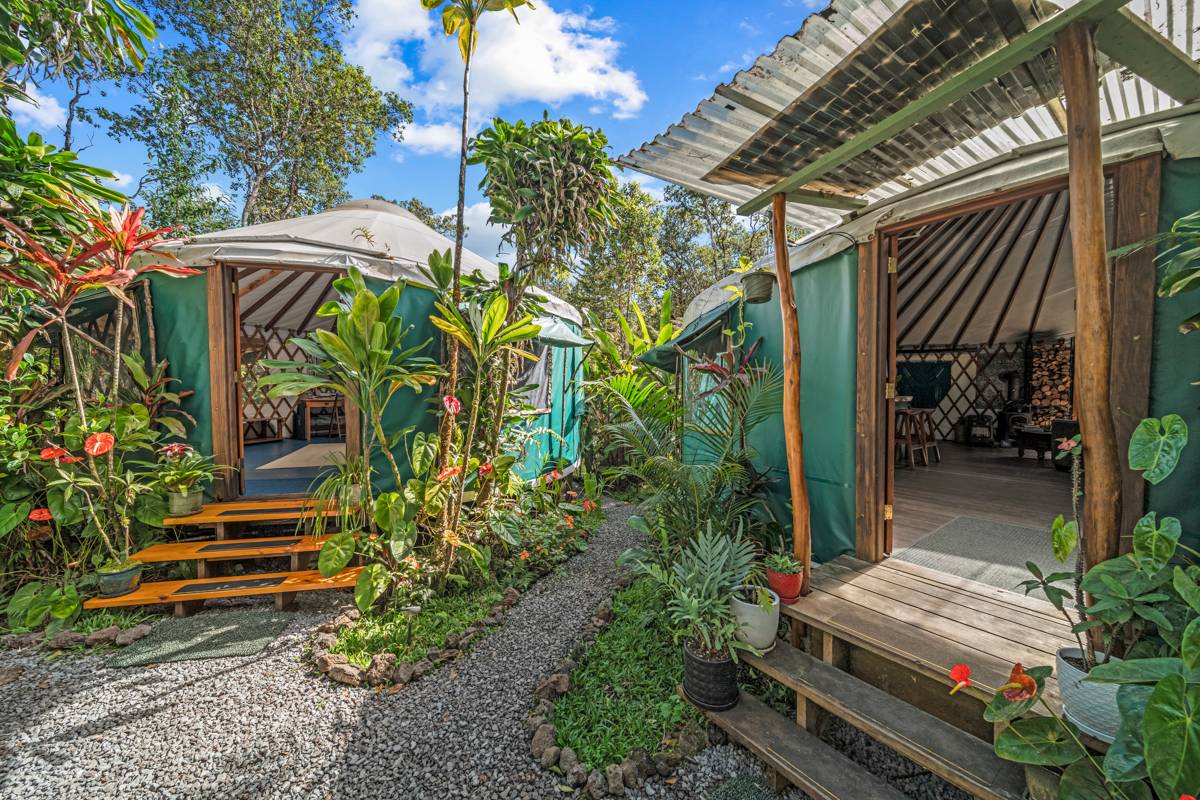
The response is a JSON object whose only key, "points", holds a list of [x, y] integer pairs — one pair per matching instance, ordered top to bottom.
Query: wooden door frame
{"points": [[1137, 189], [224, 356]]}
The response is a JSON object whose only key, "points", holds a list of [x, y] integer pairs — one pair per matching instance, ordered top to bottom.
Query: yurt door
{"points": [[223, 349]]}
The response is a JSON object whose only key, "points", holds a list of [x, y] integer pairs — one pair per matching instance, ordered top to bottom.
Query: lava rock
{"points": [[511, 596], [604, 611], [131, 635], [103, 636], [65, 640], [327, 661], [421, 667], [381, 668], [10, 674], [347, 674], [403, 674], [553, 686], [535, 722], [543, 737], [550, 756], [567, 760], [642, 763], [665, 763], [629, 773], [576, 776], [614, 780], [596, 785]]}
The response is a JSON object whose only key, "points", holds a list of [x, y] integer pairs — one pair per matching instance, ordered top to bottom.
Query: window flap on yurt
{"points": [[557, 333], [698, 334]]}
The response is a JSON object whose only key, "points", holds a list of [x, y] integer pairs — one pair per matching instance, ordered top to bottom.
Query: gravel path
{"points": [[268, 727]]}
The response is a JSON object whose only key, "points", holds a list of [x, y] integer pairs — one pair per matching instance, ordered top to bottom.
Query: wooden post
{"points": [[1093, 313], [222, 376], [792, 427]]}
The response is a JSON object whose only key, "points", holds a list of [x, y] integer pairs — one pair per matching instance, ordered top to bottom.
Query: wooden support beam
{"points": [[1130, 40], [988, 68], [1138, 184], [257, 282], [1093, 317], [222, 367], [792, 426], [870, 433]]}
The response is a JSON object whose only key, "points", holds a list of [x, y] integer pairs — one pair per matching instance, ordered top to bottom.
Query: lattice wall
{"points": [[258, 343]]}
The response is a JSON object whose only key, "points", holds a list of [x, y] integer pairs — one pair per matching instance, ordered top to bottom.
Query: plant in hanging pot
{"points": [[758, 286], [183, 473], [784, 575], [701, 583]]}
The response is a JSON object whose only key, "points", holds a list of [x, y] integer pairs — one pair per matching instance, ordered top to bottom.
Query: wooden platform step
{"points": [[283, 510], [218, 549], [186, 595], [954, 755], [822, 772]]}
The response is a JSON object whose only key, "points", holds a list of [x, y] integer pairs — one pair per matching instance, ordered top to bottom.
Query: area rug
{"points": [[321, 454], [989, 552], [221, 634], [743, 787]]}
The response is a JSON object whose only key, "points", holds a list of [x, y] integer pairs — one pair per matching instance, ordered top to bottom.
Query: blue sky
{"points": [[629, 67]]}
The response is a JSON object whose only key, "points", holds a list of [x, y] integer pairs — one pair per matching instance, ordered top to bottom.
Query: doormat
{"points": [[321, 454], [989, 552], [223, 634], [743, 787]]}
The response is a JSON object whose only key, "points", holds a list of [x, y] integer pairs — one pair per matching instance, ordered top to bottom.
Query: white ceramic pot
{"points": [[757, 626], [1091, 706]]}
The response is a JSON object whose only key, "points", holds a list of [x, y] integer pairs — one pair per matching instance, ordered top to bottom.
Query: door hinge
{"points": [[893, 265], [889, 391], [887, 511]]}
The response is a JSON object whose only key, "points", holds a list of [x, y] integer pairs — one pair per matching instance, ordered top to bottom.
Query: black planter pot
{"points": [[758, 286], [709, 684]]}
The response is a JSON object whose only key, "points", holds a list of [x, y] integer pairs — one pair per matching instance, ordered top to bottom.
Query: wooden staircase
{"points": [[209, 554], [879, 640]]}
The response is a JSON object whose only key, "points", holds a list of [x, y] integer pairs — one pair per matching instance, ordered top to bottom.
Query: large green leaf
{"points": [[1155, 446], [66, 509], [390, 512], [12, 515], [1064, 536], [402, 540], [1154, 544], [336, 554], [372, 583], [1187, 587], [1136, 670], [1171, 728], [1038, 740], [1125, 759], [1081, 781]]}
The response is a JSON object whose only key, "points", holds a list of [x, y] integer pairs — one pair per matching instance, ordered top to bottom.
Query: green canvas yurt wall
{"points": [[181, 325], [1176, 363]]}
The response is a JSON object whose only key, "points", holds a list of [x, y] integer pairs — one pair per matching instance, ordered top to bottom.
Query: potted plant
{"points": [[758, 286], [182, 472], [785, 575], [701, 583], [756, 610]]}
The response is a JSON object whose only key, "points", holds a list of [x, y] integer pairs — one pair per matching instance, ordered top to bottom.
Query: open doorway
{"points": [[982, 364], [286, 444]]}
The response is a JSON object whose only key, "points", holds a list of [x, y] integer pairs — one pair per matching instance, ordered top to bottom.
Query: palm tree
{"points": [[461, 18]]}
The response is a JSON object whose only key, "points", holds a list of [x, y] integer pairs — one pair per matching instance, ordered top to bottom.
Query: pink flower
{"points": [[452, 405], [99, 443], [1066, 445], [176, 450], [448, 473], [40, 515]]}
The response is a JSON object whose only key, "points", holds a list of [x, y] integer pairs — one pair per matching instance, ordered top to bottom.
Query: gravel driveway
{"points": [[268, 727]]}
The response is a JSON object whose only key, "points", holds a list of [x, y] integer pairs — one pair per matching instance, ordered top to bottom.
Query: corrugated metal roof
{"points": [[860, 60]]}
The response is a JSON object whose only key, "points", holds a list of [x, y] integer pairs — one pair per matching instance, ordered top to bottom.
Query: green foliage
{"points": [[460, 18], [1179, 260], [1155, 446], [622, 695], [1171, 736], [1039, 740]]}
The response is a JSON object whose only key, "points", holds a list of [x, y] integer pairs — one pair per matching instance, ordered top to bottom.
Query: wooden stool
{"points": [[929, 434], [910, 435]]}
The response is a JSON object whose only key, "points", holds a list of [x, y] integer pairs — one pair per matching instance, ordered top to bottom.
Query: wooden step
{"points": [[283, 510], [218, 549], [188, 595], [952, 754], [822, 772]]}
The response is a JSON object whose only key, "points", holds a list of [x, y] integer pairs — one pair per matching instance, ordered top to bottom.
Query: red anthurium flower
{"points": [[452, 405], [99, 443], [52, 453], [70, 459], [486, 468], [448, 473], [556, 475], [588, 505], [40, 515], [961, 675], [1020, 687], [1187, 797]]}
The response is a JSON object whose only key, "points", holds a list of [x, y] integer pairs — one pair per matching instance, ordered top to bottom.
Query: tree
{"points": [[460, 18], [269, 96], [442, 223], [625, 268]]}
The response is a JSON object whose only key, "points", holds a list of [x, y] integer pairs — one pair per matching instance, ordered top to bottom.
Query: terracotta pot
{"points": [[758, 286], [182, 505], [115, 584], [786, 585], [757, 626], [710, 684], [1091, 706]]}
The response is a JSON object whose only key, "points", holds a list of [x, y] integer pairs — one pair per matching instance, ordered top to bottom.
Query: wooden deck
{"points": [[983, 482], [283, 585], [927, 621]]}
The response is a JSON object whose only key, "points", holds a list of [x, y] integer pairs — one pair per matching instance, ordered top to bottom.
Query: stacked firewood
{"points": [[1051, 384]]}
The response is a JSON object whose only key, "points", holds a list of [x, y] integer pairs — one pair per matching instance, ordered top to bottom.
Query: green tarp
{"points": [[695, 335]]}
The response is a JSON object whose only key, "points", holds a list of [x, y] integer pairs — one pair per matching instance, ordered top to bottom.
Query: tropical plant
{"points": [[460, 18], [1179, 260], [152, 389], [181, 469], [783, 563], [701, 582]]}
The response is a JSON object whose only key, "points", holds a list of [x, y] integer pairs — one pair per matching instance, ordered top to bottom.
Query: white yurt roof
{"points": [[380, 238]]}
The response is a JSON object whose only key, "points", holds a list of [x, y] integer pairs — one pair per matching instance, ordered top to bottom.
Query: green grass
{"points": [[91, 621], [389, 632], [622, 695]]}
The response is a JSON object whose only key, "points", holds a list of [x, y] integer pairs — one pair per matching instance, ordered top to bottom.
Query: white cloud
{"points": [[550, 57], [44, 113], [440, 138], [120, 179], [482, 238]]}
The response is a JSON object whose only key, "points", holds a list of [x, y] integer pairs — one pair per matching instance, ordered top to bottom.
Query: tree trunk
{"points": [[1093, 338], [792, 424]]}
